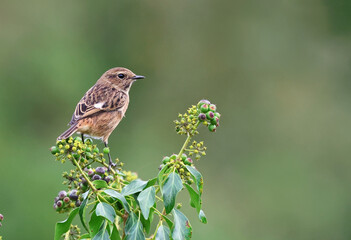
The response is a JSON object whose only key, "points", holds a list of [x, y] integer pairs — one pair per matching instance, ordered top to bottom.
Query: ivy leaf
{"points": [[160, 175], [197, 178], [151, 182], [100, 184], [133, 187], [171, 188], [118, 196], [146, 200], [195, 200], [82, 209], [105, 210], [202, 217], [146, 223], [95, 224], [63, 226], [134, 228], [182, 229], [162, 233], [102, 234], [115, 234], [85, 236]]}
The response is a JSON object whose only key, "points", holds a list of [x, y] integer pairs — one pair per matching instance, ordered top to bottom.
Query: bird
{"points": [[103, 106]]}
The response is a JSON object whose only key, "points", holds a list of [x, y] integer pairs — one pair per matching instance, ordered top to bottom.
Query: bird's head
{"points": [[121, 77]]}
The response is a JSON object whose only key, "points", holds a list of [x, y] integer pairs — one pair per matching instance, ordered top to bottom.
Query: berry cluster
{"points": [[208, 116], [188, 122], [74, 148], [197, 149], [180, 164], [99, 173], [65, 201], [1, 218]]}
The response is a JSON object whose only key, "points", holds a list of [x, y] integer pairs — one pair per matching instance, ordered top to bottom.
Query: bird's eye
{"points": [[121, 75]]}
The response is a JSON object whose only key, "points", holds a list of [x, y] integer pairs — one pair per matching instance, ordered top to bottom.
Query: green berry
{"points": [[203, 101], [213, 107], [204, 108], [217, 114], [210, 115], [212, 128], [78, 139], [88, 149], [54, 150], [96, 150], [106, 150], [75, 155], [173, 156], [184, 156], [165, 160], [188, 161], [66, 199]]}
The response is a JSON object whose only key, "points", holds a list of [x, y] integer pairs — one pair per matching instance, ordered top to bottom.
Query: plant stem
{"points": [[187, 141], [83, 174]]}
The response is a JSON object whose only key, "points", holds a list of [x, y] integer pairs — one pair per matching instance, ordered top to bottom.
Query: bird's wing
{"points": [[99, 98]]}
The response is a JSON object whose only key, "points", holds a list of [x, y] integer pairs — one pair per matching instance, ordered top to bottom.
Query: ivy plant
{"points": [[112, 203]]}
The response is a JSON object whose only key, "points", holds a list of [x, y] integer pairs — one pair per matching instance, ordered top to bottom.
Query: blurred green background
{"points": [[277, 168]]}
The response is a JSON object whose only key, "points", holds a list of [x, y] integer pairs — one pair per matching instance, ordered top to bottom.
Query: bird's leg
{"points": [[82, 137], [110, 163]]}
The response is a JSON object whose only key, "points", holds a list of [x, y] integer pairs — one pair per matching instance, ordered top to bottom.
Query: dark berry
{"points": [[213, 107], [204, 108], [210, 115], [202, 117], [212, 128], [160, 167], [100, 170], [90, 172], [96, 177], [108, 178], [84, 181], [62, 194], [73, 195], [56, 199], [66, 199], [78, 203], [59, 204], [55, 206], [1, 217]]}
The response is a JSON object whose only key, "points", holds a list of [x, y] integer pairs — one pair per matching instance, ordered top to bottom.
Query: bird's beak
{"points": [[138, 77]]}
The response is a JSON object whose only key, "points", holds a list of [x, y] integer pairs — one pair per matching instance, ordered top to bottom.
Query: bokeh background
{"points": [[280, 72]]}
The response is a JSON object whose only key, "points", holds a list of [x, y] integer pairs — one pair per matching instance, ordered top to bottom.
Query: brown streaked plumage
{"points": [[103, 106]]}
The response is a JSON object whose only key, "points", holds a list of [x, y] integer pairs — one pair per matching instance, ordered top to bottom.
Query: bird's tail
{"points": [[68, 132]]}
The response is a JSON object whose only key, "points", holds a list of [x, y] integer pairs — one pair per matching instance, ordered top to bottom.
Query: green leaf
{"points": [[160, 176], [197, 178], [151, 182], [100, 184], [133, 187], [171, 188], [118, 196], [195, 199], [146, 200], [82, 209], [105, 210], [202, 217], [132, 219], [168, 221], [146, 223], [95, 224], [63, 226], [182, 228], [135, 229], [103, 233], [163, 233], [115, 234], [85, 236]]}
